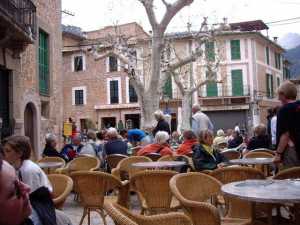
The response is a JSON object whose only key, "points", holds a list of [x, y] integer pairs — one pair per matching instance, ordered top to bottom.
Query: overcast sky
{"points": [[94, 14]]}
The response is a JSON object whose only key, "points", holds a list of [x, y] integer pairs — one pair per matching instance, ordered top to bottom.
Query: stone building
{"points": [[30, 69], [251, 69], [97, 93]]}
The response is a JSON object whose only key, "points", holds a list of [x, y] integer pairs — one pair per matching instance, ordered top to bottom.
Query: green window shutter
{"points": [[235, 49], [210, 50], [268, 56], [43, 63], [237, 82], [269, 85], [272, 86], [211, 88], [167, 90], [114, 92], [132, 94]]}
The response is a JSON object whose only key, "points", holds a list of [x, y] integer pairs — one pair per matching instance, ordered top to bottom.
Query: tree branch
{"points": [[166, 3], [148, 4], [172, 10], [178, 82]]}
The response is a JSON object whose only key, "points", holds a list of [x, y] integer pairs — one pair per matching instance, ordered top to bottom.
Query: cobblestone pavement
{"points": [[74, 211]]}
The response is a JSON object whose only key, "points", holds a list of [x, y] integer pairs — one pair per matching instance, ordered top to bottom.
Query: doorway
{"points": [[4, 103], [133, 121], [107, 122], [30, 127]]}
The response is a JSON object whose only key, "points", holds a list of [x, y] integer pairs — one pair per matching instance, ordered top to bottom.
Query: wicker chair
{"points": [[231, 154], [153, 156], [52, 159], [114, 159], [81, 164], [124, 170], [291, 173], [232, 174], [62, 186], [92, 187], [153, 189], [193, 190], [122, 216]]}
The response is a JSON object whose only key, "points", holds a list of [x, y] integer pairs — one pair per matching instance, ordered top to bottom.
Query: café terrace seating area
{"points": [[167, 191]]}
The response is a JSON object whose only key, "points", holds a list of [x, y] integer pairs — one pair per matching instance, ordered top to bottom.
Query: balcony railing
{"points": [[22, 13]]}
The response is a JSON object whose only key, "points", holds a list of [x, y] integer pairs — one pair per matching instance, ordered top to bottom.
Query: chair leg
{"points": [[102, 215], [83, 216], [89, 217]]}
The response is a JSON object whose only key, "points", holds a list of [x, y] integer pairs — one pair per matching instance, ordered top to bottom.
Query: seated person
{"points": [[135, 136], [175, 139], [260, 139], [189, 140], [220, 140], [236, 140], [114, 144], [160, 145], [50, 147], [90, 148], [73, 149], [17, 151], [204, 156], [15, 203]]}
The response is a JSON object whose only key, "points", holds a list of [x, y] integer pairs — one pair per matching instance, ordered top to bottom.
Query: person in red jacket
{"points": [[189, 140], [160, 145]]}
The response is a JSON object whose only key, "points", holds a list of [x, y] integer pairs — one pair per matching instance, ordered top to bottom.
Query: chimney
{"points": [[275, 39]]}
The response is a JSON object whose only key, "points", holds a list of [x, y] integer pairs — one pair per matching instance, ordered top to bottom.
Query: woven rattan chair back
{"points": [[264, 150], [231, 154], [258, 154], [153, 156], [167, 158], [114, 159], [84, 164], [125, 166], [291, 173], [232, 174], [62, 186], [195, 186], [92, 187], [153, 187], [122, 216]]}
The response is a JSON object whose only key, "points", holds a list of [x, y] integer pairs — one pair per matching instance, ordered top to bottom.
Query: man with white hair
{"points": [[200, 121], [162, 124], [115, 144], [160, 145], [50, 147]]}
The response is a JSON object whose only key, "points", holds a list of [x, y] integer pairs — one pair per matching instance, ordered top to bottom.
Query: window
{"points": [[235, 49], [210, 51], [268, 55], [277, 61], [43, 63], [78, 63], [113, 63], [237, 82], [278, 82], [269, 85], [211, 88], [167, 90], [114, 91], [132, 94], [79, 95], [79, 100]]}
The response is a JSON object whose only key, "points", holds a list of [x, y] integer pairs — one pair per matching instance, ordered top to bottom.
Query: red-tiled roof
{"points": [[254, 25]]}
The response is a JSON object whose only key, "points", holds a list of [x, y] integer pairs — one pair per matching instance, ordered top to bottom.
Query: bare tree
{"points": [[188, 83]]}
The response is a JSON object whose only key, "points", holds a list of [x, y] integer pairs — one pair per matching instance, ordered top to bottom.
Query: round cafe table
{"points": [[253, 161], [50, 165], [158, 165], [266, 191]]}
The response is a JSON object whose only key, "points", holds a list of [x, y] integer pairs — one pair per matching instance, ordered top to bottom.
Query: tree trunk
{"points": [[149, 103], [186, 112]]}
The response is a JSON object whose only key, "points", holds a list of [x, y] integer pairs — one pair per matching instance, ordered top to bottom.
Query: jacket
{"points": [[162, 125], [186, 147], [156, 148], [204, 161]]}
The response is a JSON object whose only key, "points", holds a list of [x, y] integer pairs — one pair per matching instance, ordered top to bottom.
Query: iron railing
{"points": [[22, 13]]}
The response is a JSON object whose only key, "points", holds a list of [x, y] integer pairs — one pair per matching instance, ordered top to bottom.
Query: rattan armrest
{"points": [[116, 172], [169, 219]]}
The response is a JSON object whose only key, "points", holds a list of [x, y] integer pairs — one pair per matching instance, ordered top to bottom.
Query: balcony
{"points": [[17, 23]]}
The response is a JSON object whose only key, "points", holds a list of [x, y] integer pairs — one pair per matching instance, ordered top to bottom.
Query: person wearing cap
{"points": [[220, 139]]}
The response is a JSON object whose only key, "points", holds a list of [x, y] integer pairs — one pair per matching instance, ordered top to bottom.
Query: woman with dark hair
{"points": [[17, 151]]}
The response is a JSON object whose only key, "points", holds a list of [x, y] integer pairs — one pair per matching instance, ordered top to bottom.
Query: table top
{"points": [[251, 161], [50, 164], [162, 164], [266, 191]]}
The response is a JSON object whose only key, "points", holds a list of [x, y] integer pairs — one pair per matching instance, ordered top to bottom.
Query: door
{"points": [[237, 82], [4, 103], [135, 121], [108, 122], [29, 126]]}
